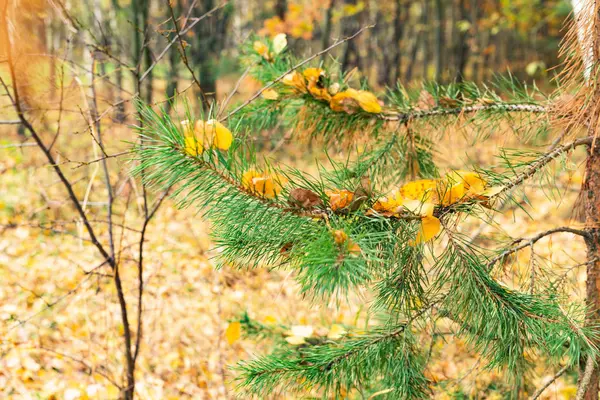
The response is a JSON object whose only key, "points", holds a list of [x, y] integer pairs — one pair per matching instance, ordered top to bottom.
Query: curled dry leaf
{"points": [[304, 198], [339, 199]]}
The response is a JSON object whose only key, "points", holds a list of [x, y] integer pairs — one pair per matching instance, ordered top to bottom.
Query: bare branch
{"points": [[280, 77]]}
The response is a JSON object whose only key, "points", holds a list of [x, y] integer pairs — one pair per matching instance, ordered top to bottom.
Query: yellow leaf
{"points": [[279, 43], [261, 49], [313, 74], [295, 80], [270, 94], [366, 100], [343, 101], [221, 136], [192, 145], [474, 183], [265, 185], [419, 190], [451, 193], [339, 199], [392, 203], [419, 208], [430, 227], [339, 237], [270, 320], [302, 330], [233, 332], [336, 332], [295, 340]]}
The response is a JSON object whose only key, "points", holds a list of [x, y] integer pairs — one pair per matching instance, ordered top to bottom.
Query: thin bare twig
{"points": [[280, 77], [541, 390]]}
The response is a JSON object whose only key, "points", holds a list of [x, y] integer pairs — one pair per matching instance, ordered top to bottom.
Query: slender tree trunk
{"points": [[281, 8], [400, 19], [327, 28], [426, 40], [439, 40], [415, 48], [462, 49], [173, 57], [351, 57], [147, 61], [590, 193], [591, 202]]}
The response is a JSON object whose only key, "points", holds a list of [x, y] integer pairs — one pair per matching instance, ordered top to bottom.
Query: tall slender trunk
{"points": [[399, 23], [327, 28], [439, 39], [426, 40], [462, 49], [173, 57], [351, 57], [147, 60], [590, 193], [591, 203]]}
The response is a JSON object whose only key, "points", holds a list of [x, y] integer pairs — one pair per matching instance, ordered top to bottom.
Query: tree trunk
{"points": [[399, 22], [327, 28], [439, 40], [462, 49], [351, 57], [590, 192]]}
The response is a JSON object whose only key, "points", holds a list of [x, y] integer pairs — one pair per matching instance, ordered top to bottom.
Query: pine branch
{"points": [[441, 112]]}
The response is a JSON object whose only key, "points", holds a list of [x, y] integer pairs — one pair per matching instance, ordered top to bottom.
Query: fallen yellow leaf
{"points": [[233, 332]]}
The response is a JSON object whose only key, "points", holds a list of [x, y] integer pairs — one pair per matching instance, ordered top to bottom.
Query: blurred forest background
{"points": [[79, 63]]}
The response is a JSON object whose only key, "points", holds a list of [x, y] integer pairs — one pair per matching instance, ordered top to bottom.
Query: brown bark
{"points": [[591, 206]]}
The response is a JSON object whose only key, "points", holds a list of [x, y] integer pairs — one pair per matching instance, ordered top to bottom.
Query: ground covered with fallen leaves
{"points": [[60, 329]]}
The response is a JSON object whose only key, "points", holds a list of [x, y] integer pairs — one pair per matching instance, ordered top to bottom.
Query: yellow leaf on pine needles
{"points": [[279, 43], [262, 50], [313, 74], [295, 80], [270, 94], [350, 100], [366, 100], [211, 133], [221, 136], [192, 146], [472, 180], [263, 184], [422, 189], [451, 193], [339, 199], [390, 204], [418, 207], [430, 227], [339, 237], [233, 332], [336, 332], [295, 340]]}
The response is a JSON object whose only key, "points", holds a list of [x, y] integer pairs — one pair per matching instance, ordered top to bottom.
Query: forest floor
{"points": [[60, 330]]}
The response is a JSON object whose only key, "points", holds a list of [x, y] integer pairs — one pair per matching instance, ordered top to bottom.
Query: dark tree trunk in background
{"points": [[281, 8], [400, 18], [350, 25], [327, 28], [209, 38], [426, 39], [439, 39], [476, 40], [416, 44], [462, 48], [173, 61], [149, 81]]}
